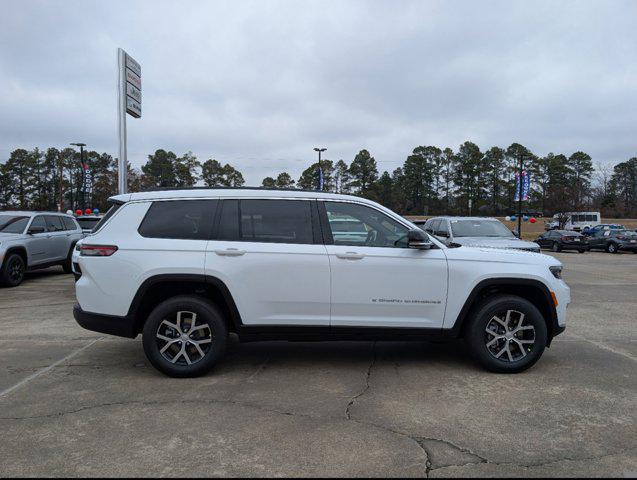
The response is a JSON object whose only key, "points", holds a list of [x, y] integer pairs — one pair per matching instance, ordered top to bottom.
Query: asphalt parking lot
{"points": [[77, 403]]}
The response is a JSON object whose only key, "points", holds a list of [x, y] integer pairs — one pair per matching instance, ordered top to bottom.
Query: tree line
{"points": [[431, 180]]}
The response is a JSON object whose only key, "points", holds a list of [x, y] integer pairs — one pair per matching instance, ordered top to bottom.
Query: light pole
{"points": [[320, 180], [80, 190]]}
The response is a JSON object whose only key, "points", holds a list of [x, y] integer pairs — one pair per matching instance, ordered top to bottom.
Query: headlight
{"points": [[556, 271]]}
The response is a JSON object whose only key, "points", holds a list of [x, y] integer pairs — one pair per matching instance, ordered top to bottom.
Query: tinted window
{"points": [[109, 214], [179, 219], [229, 221], [280, 221], [38, 222], [13, 223], [54, 223], [69, 223], [88, 223], [379, 229], [442, 230]]}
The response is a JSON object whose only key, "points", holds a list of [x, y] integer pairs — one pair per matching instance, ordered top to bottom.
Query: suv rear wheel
{"points": [[12, 272], [507, 334], [185, 336]]}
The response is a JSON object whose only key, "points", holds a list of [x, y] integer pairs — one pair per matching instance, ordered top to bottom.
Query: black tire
{"points": [[556, 247], [612, 248], [581, 250], [66, 266], [13, 269], [207, 314], [515, 360]]}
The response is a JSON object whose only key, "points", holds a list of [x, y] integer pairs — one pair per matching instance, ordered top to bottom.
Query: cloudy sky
{"points": [[259, 83]]}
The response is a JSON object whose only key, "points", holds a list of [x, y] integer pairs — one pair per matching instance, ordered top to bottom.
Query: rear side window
{"points": [[179, 219], [271, 221], [279, 221], [54, 223], [69, 223]]}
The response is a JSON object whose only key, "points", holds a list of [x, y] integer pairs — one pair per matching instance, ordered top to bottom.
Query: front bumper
{"points": [[110, 324]]}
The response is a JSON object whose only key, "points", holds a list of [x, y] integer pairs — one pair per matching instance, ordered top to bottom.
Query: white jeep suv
{"points": [[187, 267]]}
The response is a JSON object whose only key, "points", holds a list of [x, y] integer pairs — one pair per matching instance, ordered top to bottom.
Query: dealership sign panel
{"points": [[133, 86]]}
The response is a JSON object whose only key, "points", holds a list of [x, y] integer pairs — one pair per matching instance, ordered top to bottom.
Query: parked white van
{"points": [[577, 221]]}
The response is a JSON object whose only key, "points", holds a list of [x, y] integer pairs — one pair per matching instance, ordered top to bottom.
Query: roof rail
{"points": [[163, 189]]}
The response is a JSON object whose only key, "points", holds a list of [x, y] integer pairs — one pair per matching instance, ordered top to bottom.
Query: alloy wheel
{"points": [[15, 270], [508, 337], [181, 340]]}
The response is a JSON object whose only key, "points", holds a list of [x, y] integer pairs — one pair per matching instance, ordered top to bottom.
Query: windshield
{"points": [[13, 223], [87, 223], [479, 228]]}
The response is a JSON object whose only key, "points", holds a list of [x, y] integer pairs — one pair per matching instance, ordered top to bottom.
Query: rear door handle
{"points": [[230, 252], [350, 255]]}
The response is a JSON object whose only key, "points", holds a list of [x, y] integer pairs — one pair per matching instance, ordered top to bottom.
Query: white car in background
{"points": [[476, 232]]}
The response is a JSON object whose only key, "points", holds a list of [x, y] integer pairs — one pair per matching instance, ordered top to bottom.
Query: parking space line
{"points": [[46, 369]]}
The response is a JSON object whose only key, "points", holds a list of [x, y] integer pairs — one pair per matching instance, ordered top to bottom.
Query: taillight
{"points": [[621, 237], [564, 239], [97, 250]]}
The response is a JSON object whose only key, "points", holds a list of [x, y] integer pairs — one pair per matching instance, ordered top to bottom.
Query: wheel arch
{"points": [[22, 251], [158, 288], [533, 290]]}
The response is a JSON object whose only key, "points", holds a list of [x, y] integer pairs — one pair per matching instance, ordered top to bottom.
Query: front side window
{"points": [[179, 219], [275, 221], [38, 222], [13, 223], [367, 227]]}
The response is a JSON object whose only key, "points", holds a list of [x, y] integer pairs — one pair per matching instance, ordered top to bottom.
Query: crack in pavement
{"points": [[366, 388], [163, 403]]}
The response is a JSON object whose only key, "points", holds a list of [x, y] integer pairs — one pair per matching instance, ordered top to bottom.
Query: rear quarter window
{"points": [[179, 219]]}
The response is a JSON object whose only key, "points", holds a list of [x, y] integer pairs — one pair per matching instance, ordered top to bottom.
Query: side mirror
{"points": [[36, 229], [515, 233], [419, 240]]}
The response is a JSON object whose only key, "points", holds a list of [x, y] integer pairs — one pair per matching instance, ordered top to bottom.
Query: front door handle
{"points": [[230, 252], [350, 255]]}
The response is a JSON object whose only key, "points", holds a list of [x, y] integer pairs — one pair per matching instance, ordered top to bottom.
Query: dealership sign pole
{"points": [[129, 101]]}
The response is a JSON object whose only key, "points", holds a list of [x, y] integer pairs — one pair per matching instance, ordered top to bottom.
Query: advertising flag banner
{"points": [[525, 186]]}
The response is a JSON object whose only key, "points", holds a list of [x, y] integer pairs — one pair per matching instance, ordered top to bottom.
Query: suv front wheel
{"points": [[507, 334], [185, 336]]}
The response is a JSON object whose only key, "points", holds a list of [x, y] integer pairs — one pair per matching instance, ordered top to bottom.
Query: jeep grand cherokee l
{"points": [[186, 267]]}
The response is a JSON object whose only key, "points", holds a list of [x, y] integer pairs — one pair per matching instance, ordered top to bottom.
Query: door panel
{"points": [[37, 244], [56, 248], [267, 254], [380, 282], [274, 283], [387, 287]]}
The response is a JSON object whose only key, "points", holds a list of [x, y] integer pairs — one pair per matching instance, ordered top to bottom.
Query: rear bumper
{"points": [[110, 324]]}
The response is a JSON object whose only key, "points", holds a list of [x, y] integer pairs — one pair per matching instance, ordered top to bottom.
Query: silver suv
{"points": [[476, 232], [31, 240]]}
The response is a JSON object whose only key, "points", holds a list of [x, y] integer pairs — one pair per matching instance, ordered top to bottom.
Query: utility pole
{"points": [[320, 180], [80, 190]]}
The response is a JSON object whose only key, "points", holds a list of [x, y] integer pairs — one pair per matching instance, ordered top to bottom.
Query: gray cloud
{"points": [[258, 84]]}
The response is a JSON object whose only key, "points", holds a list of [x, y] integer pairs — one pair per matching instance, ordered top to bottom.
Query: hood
{"points": [[496, 242], [502, 255]]}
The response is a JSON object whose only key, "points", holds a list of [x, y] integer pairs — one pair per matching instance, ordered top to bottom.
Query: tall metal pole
{"points": [[121, 112], [320, 150], [82, 192], [520, 198]]}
